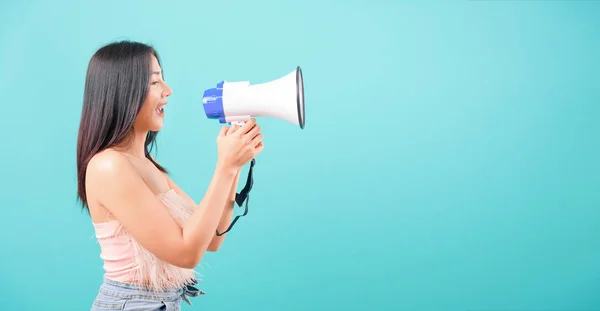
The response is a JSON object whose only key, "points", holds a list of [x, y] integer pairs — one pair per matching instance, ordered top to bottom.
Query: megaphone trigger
{"points": [[238, 123]]}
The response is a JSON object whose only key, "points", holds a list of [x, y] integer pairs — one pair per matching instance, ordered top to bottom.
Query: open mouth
{"points": [[160, 109]]}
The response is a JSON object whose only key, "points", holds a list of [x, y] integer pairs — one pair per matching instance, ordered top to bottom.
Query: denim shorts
{"points": [[115, 295]]}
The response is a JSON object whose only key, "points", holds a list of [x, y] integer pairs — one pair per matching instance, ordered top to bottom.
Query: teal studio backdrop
{"points": [[450, 159]]}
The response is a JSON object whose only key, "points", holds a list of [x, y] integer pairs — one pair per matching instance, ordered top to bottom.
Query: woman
{"points": [[151, 234]]}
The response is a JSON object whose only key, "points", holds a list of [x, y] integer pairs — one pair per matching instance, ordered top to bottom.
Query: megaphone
{"points": [[237, 102]]}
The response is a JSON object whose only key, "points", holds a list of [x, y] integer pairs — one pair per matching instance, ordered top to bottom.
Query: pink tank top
{"points": [[126, 260]]}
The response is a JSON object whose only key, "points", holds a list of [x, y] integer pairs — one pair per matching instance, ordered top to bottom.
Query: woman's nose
{"points": [[167, 90]]}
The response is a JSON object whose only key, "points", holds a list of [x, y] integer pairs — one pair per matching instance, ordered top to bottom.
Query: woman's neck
{"points": [[134, 144]]}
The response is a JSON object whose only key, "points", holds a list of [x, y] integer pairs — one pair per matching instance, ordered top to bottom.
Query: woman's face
{"points": [[152, 114]]}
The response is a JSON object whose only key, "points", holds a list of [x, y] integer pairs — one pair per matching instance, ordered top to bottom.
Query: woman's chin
{"points": [[157, 125]]}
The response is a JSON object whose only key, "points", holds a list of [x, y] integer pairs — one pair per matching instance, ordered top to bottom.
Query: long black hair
{"points": [[116, 86]]}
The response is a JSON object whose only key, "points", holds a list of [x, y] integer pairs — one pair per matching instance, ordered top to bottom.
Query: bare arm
{"points": [[117, 186], [226, 216], [216, 242]]}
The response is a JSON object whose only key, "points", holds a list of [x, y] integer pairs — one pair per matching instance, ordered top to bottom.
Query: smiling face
{"points": [[150, 117]]}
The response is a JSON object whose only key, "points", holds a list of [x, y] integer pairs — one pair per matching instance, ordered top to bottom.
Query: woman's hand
{"points": [[239, 145]]}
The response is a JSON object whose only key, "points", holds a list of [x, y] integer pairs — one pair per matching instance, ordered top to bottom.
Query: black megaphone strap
{"points": [[242, 196]]}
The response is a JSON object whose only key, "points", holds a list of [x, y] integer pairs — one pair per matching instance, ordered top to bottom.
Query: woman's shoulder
{"points": [[108, 161], [110, 168], [106, 173]]}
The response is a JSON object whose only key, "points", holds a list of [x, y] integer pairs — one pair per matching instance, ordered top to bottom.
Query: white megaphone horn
{"points": [[237, 102]]}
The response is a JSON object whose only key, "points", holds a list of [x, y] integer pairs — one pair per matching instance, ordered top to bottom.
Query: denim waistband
{"points": [[126, 290]]}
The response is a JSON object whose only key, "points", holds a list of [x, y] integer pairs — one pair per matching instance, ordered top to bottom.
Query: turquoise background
{"points": [[450, 159]]}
